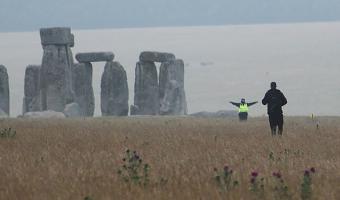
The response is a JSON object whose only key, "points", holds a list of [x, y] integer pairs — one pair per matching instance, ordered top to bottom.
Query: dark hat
{"points": [[243, 100]]}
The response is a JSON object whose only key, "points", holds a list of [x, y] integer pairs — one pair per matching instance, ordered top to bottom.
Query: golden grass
{"points": [[74, 158]]}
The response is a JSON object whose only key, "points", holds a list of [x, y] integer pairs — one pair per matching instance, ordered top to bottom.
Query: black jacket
{"points": [[274, 99]]}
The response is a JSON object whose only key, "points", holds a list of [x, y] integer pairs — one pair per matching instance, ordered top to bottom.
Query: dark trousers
{"points": [[243, 116], [276, 120]]}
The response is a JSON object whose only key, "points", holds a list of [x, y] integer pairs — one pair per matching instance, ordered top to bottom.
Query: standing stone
{"points": [[56, 75], [82, 87], [171, 88], [4, 90], [114, 90], [32, 97], [146, 100]]}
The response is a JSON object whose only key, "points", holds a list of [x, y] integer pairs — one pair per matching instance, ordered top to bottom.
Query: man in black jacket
{"points": [[274, 99]]}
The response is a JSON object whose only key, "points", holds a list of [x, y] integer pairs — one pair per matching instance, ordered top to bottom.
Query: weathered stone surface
{"points": [[56, 36], [150, 56], [94, 57], [56, 75], [82, 87], [171, 88], [4, 90], [114, 90], [32, 96], [146, 99], [72, 110], [3, 114], [44, 114], [218, 114]]}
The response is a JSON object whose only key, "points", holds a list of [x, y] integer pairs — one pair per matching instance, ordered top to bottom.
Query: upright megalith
{"points": [[152, 56], [94, 57], [56, 74], [82, 87], [171, 88], [114, 90], [4, 92], [32, 96], [146, 99]]}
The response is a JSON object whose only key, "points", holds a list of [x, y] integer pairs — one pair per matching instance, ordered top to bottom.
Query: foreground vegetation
{"points": [[169, 158]]}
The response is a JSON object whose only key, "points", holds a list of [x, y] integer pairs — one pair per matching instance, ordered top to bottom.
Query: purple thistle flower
{"points": [[226, 168], [312, 170], [306, 173], [254, 174], [277, 175]]}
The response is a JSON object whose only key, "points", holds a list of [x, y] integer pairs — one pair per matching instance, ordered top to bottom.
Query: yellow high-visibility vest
{"points": [[243, 108]]}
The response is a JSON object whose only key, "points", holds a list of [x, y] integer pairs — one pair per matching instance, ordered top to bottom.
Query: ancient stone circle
{"points": [[62, 88]]}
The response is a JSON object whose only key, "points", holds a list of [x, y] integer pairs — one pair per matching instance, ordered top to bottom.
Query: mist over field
{"points": [[222, 63]]}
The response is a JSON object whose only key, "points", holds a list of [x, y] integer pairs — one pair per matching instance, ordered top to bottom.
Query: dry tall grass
{"points": [[72, 159]]}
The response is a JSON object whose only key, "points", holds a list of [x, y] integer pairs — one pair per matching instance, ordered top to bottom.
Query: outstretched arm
{"points": [[252, 103], [235, 104]]}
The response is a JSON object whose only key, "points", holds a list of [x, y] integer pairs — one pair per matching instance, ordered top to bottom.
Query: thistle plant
{"points": [[7, 133], [134, 170], [224, 178], [257, 184], [306, 186], [280, 188]]}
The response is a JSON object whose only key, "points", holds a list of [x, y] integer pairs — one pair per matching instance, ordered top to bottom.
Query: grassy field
{"points": [[79, 158]]}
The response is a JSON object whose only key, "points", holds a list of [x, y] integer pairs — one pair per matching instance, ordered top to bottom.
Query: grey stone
{"points": [[56, 36], [72, 41], [151, 56], [94, 57], [56, 74], [82, 87], [171, 88], [4, 90], [114, 90], [32, 96], [146, 97], [72, 110], [134, 110], [3, 114], [44, 114], [218, 114]]}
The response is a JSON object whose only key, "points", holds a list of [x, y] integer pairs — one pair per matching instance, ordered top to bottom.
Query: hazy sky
{"points": [[26, 15]]}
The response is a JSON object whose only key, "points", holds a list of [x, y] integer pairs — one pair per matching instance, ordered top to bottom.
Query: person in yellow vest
{"points": [[243, 109]]}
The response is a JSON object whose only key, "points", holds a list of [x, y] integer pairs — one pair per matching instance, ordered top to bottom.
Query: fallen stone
{"points": [[56, 36], [150, 56], [94, 57], [56, 70], [82, 87], [171, 88], [4, 90], [114, 90], [32, 97], [146, 97], [72, 110], [44, 114], [218, 114]]}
